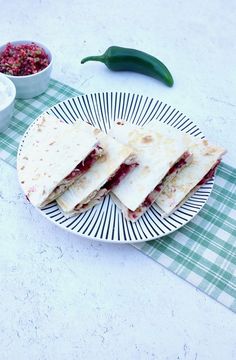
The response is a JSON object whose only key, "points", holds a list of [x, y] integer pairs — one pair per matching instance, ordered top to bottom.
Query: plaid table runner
{"points": [[203, 252]]}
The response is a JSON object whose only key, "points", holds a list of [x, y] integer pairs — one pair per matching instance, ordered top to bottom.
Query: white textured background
{"points": [[62, 297]]}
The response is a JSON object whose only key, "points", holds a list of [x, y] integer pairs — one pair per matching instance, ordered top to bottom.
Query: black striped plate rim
{"points": [[105, 222]]}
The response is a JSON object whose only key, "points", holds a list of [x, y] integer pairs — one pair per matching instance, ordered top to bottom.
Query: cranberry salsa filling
{"points": [[85, 164], [179, 164], [78, 170], [210, 173], [116, 178], [149, 200]]}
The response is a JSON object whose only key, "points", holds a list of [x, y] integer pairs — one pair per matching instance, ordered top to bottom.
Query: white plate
{"points": [[105, 221]]}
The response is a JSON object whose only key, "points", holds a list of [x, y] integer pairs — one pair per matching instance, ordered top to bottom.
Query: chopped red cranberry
{"points": [[25, 59], [158, 187], [147, 202], [132, 214]]}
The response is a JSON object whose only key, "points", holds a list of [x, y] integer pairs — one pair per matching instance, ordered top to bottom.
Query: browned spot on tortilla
{"points": [[120, 122], [96, 131], [147, 139], [53, 142], [205, 142], [211, 150], [25, 158], [103, 158], [41, 159], [22, 168], [22, 182]]}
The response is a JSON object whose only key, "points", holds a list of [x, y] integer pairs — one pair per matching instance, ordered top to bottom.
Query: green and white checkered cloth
{"points": [[203, 252]]}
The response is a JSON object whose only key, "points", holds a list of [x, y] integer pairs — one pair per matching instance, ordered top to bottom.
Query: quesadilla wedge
{"points": [[159, 155], [53, 156], [206, 158], [109, 170]]}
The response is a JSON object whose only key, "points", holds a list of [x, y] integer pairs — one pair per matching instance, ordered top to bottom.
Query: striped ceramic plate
{"points": [[105, 222]]}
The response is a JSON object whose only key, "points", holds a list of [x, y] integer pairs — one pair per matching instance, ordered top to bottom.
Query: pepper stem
{"points": [[93, 58]]}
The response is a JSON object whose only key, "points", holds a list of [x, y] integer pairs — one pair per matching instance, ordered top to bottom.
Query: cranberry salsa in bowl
{"points": [[23, 59], [28, 64]]}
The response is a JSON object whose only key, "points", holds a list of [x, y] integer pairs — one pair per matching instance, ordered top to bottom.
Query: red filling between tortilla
{"points": [[179, 164], [85, 165], [80, 169], [210, 173], [119, 175], [112, 181], [149, 200]]}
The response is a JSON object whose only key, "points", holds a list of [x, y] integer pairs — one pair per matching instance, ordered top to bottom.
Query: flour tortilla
{"points": [[156, 151], [50, 152], [205, 156], [89, 189]]}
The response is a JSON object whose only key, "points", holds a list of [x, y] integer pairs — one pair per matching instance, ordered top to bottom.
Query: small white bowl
{"points": [[29, 86], [7, 98]]}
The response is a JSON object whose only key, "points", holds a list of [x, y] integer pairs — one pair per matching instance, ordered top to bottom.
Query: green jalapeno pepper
{"points": [[118, 58]]}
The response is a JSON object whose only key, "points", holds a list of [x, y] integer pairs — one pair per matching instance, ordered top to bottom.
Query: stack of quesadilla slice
{"points": [[160, 156], [53, 157], [206, 158], [78, 165], [108, 171]]}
